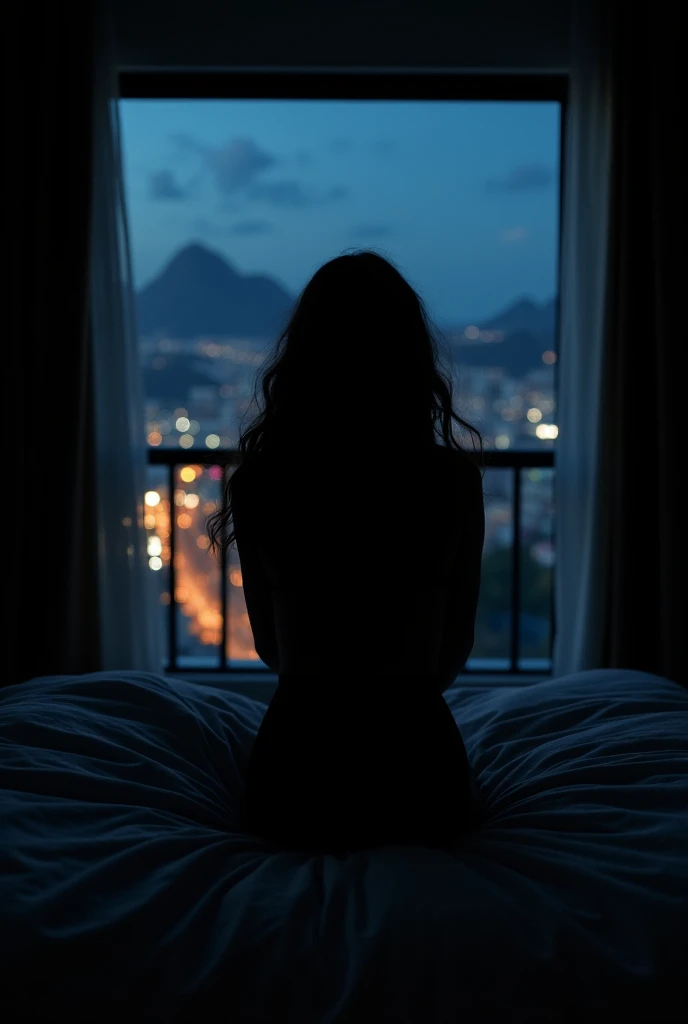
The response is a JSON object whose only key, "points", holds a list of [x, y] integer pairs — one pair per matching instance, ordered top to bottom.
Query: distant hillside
{"points": [[199, 294], [525, 316], [527, 329], [518, 354], [175, 377]]}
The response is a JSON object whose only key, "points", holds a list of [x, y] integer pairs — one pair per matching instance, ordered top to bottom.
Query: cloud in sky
{"points": [[237, 163], [236, 167], [524, 178], [163, 185], [280, 193], [293, 194], [515, 234]]}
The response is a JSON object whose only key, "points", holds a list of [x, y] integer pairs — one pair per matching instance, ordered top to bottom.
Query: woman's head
{"points": [[356, 365]]}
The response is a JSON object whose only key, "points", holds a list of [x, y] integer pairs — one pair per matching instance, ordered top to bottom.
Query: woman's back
{"points": [[355, 556], [352, 568]]}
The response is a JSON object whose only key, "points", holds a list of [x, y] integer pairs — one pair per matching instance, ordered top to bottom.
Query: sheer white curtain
{"points": [[580, 497], [130, 621]]}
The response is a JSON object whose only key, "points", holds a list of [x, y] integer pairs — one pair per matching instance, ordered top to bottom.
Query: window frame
{"points": [[374, 85]]}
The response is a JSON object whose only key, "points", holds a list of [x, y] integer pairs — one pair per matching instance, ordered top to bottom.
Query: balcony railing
{"points": [[207, 618]]}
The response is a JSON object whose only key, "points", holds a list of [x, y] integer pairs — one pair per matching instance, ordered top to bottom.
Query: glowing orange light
{"points": [[154, 438], [208, 507], [184, 521], [149, 522], [203, 542], [235, 578], [181, 595], [164, 597], [210, 619]]}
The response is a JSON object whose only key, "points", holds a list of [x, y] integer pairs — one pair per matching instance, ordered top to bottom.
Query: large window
{"points": [[235, 201]]}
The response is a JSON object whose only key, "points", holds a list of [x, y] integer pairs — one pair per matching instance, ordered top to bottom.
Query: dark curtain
{"points": [[644, 384], [52, 544]]}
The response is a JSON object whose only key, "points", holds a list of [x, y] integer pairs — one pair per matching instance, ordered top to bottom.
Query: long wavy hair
{"points": [[359, 347]]}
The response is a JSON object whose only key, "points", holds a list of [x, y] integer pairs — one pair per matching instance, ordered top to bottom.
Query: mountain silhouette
{"points": [[199, 294], [526, 317], [527, 328]]}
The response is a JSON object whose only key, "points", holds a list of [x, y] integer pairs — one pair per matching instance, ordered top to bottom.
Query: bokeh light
{"points": [[547, 431], [188, 474], [151, 498], [154, 546]]}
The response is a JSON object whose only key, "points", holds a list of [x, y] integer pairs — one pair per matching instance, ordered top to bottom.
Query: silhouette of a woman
{"points": [[359, 527]]}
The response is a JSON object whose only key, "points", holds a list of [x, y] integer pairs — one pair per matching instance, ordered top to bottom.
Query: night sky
{"points": [[462, 195]]}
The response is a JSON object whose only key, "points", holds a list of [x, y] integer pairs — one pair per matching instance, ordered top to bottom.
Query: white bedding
{"points": [[127, 891]]}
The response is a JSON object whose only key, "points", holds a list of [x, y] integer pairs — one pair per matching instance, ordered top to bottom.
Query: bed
{"points": [[128, 892]]}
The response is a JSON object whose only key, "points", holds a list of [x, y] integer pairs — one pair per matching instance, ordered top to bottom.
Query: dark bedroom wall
{"points": [[470, 34]]}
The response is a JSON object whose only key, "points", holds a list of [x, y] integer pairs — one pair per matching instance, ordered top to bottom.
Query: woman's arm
{"points": [[255, 583], [463, 588]]}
